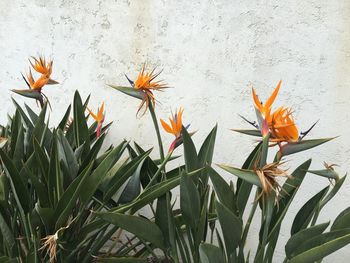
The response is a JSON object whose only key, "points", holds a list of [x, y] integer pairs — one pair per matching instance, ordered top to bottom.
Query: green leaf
{"points": [[129, 91], [29, 93], [24, 116], [33, 116], [65, 119], [16, 125], [39, 125], [81, 131], [253, 132], [303, 145], [93, 152], [190, 153], [18, 154], [67, 155], [205, 155], [41, 160], [100, 173], [328, 173], [123, 174], [246, 175], [55, 178], [18, 183], [39, 187], [133, 187], [4, 188], [244, 188], [289, 190], [223, 191], [332, 192], [153, 193], [69, 198], [189, 200], [303, 217], [342, 221], [202, 225], [139, 226], [231, 227], [7, 235], [299, 238], [321, 246], [210, 253], [122, 260]]}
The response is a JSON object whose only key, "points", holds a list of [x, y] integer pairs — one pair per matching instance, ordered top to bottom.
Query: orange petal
{"points": [[272, 98], [257, 103], [100, 112], [92, 114], [179, 121], [166, 126]]}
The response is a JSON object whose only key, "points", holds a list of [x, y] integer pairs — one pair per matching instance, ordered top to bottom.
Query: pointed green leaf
{"points": [[129, 91], [29, 93], [24, 116], [63, 123], [81, 132], [253, 132], [303, 145], [190, 153], [67, 155], [205, 155], [328, 173], [246, 175], [95, 179], [55, 180], [18, 183], [244, 188], [289, 190], [223, 191], [332, 192], [69, 198], [189, 200], [303, 217], [342, 221], [231, 227], [143, 228], [7, 235], [299, 238], [321, 246], [210, 253], [122, 260]]}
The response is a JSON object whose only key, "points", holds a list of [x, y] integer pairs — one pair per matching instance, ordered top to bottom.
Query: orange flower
{"points": [[45, 69], [146, 83], [34, 86], [265, 109], [99, 118], [280, 123], [283, 127], [175, 128]]}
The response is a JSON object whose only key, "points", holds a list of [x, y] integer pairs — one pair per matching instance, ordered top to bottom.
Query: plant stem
{"points": [[156, 127], [161, 167], [247, 225]]}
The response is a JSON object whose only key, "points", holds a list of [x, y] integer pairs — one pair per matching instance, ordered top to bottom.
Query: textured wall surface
{"points": [[212, 53]]}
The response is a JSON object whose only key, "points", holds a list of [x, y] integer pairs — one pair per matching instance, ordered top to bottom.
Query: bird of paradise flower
{"points": [[35, 86]]}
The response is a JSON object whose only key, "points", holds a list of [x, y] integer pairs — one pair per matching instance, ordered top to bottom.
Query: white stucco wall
{"points": [[212, 52]]}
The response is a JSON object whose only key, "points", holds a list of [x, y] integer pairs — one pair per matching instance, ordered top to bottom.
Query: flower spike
{"points": [[145, 83], [35, 86], [99, 118], [279, 123], [175, 127]]}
